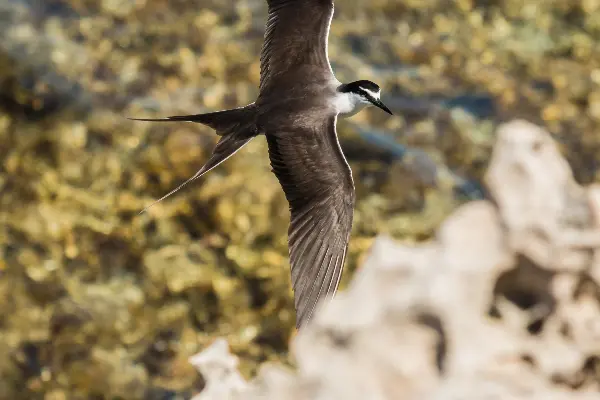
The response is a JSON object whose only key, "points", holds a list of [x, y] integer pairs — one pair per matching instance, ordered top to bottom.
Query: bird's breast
{"points": [[347, 105]]}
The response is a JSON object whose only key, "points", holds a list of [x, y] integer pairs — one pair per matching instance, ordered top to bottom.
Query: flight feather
{"points": [[318, 185]]}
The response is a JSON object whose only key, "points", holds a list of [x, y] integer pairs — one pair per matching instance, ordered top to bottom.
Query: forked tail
{"points": [[223, 122], [236, 128]]}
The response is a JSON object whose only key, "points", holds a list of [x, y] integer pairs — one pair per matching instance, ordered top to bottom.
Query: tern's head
{"points": [[365, 92]]}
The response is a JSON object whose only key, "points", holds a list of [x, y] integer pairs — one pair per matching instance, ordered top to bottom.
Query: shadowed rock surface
{"points": [[503, 303]]}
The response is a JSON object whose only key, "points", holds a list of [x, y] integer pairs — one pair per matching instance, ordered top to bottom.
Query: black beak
{"points": [[378, 103]]}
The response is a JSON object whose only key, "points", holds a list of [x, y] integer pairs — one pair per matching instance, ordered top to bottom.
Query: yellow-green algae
{"points": [[99, 302]]}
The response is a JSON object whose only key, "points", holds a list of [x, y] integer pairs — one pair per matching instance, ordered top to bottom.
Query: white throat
{"points": [[348, 104]]}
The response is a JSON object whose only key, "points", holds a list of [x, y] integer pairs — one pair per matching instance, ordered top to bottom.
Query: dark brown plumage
{"points": [[296, 35], [297, 109], [320, 191]]}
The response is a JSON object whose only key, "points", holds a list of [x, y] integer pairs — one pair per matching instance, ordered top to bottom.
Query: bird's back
{"points": [[296, 97]]}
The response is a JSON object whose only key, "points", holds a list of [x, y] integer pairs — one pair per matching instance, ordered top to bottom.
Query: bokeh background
{"points": [[100, 302]]}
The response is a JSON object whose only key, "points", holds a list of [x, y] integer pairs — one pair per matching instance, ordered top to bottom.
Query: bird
{"points": [[299, 101]]}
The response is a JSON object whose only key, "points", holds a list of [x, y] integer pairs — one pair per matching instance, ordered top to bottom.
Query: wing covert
{"points": [[296, 33], [318, 185]]}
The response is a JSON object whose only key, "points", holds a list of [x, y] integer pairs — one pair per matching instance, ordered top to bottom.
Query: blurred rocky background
{"points": [[98, 302], [502, 303]]}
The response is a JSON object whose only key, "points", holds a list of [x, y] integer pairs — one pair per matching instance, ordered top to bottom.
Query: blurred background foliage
{"points": [[97, 301]]}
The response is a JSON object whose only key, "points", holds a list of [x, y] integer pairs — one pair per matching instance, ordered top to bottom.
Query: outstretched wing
{"points": [[296, 34], [318, 185]]}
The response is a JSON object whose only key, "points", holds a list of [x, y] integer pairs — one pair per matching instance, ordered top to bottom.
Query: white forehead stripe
{"points": [[374, 94]]}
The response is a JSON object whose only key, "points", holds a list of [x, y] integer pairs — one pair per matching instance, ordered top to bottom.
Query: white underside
{"points": [[348, 104]]}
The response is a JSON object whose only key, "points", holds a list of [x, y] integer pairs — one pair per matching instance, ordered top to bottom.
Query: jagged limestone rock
{"points": [[498, 305]]}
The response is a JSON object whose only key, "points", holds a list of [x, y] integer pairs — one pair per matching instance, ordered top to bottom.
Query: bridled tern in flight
{"points": [[297, 108]]}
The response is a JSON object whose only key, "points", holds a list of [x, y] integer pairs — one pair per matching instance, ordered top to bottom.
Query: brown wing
{"points": [[296, 34], [318, 184]]}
